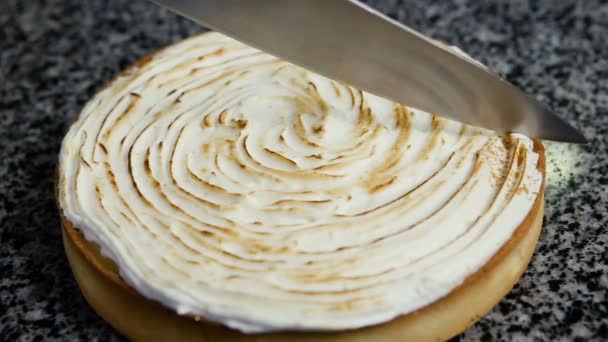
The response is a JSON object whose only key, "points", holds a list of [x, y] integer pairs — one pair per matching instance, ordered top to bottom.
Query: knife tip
{"points": [[559, 130]]}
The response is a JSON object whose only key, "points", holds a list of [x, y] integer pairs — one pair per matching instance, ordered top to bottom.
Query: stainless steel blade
{"points": [[347, 41]]}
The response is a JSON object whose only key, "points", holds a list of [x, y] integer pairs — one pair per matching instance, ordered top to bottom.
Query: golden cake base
{"points": [[141, 319]]}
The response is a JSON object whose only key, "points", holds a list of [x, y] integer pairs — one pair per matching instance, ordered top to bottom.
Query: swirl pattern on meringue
{"points": [[229, 184]]}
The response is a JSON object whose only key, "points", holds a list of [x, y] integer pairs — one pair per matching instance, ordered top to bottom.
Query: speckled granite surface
{"points": [[54, 54]]}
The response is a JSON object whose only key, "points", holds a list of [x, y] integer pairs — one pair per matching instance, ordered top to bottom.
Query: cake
{"points": [[213, 191]]}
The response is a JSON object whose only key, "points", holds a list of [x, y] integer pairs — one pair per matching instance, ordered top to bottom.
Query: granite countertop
{"points": [[55, 54]]}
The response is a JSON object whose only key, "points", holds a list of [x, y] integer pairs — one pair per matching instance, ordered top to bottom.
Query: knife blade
{"points": [[348, 41]]}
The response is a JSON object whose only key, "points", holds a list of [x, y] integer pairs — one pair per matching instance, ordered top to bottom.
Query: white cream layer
{"points": [[228, 184]]}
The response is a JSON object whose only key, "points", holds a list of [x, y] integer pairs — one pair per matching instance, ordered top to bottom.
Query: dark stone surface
{"points": [[55, 54]]}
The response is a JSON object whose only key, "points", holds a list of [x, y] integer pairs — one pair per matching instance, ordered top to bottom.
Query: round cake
{"points": [[215, 191]]}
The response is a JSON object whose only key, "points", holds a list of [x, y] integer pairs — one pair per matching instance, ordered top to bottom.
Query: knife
{"points": [[348, 41]]}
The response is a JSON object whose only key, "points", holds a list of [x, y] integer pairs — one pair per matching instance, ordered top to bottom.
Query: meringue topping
{"points": [[228, 184]]}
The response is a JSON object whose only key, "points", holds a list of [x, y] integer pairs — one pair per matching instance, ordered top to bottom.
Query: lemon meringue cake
{"points": [[215, 191]]}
